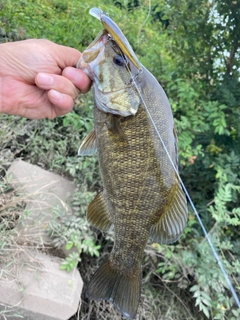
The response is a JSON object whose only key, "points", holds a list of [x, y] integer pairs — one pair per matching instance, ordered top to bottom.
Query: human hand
{"points": [[37, 78]]}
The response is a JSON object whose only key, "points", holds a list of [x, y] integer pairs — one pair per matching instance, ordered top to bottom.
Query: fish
{"points": [[142, 196]]}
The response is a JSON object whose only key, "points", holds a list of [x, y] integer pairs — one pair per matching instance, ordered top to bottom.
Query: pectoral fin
{"points": [[89, 145], [98, 214], [172, 222]]}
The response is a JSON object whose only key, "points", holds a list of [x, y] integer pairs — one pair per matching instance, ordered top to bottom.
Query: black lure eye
{"points": [[119, 60]]}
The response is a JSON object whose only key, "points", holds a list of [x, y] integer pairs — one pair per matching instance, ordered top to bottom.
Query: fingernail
{"points": [[45, 79], [56, 95]]}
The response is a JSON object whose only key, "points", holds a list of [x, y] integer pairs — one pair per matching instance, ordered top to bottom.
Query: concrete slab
{"points": [[37, 181], [42, 191], [36, 288], [40, 290]]}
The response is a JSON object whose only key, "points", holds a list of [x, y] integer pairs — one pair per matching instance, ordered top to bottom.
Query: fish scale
{"points": [[142, 195]]}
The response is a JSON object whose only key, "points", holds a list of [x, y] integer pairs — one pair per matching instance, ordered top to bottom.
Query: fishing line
{"points": [[141, 26], [230, 285]]}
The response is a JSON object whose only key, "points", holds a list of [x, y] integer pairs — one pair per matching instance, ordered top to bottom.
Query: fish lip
{"points": [[104, 38], [98, 44], [118, 90], [130, 112]]}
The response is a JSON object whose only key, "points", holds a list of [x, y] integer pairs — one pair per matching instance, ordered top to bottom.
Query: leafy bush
{"points": [[74, 231]]}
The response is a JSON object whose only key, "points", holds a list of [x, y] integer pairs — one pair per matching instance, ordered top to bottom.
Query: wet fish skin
{"points": [[142, 195]]}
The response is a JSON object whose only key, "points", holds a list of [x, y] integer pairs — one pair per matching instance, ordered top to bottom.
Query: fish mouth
{"points": [[117, 90], [103, 104]]}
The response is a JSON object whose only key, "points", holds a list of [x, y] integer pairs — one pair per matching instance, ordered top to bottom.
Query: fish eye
{"points": [[119, 60]]}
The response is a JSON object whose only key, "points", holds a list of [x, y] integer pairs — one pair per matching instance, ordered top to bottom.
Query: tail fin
{"points": [[118, 287]]}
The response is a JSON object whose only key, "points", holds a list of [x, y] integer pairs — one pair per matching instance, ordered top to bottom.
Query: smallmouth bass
{"points": [[142, 195]]}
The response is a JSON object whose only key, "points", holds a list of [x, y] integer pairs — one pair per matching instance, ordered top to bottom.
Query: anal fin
{"points": [[89, 145], [98, 214], [173, 220]]}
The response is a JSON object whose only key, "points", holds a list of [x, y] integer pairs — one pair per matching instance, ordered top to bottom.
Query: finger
{"points": [[66, 56], [78, 78], [56, 82], [63, 103]]}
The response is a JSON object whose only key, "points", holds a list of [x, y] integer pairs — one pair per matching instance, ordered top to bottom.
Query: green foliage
{"points": [[220, 212], [73, 231], [70, 262], [193, 267], [202, 299]]}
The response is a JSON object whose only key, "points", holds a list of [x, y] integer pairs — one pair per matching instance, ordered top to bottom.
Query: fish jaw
{"points": [[93, 55], [108, 102]]}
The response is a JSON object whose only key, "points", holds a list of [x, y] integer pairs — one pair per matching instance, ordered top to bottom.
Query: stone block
{"points": [[42, 191], [36, 288], [40, 290]]}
